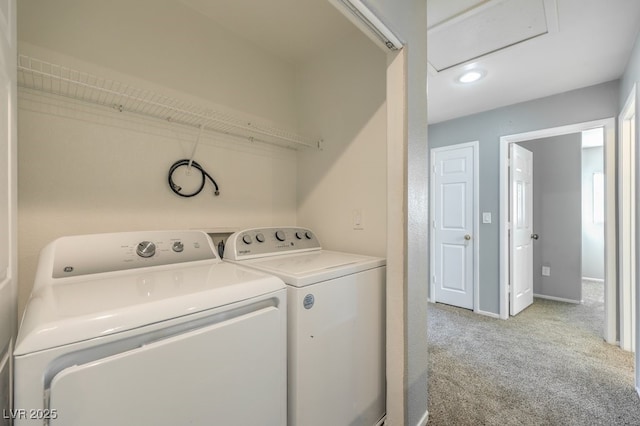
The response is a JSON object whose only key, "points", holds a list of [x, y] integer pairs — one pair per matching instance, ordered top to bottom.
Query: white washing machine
{"points": [[336, 324], [149, 328]]}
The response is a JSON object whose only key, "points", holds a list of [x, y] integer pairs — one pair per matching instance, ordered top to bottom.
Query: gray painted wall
{"points": [[409, 19], [631, 75], [590, 103], [557, 212], [592, 233]]}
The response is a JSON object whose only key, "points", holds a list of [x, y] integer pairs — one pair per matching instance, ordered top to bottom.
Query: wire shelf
{"points": [[55, 79]]}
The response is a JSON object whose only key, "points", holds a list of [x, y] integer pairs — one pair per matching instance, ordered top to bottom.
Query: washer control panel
{"points": [[260, 242], [92, 254]]}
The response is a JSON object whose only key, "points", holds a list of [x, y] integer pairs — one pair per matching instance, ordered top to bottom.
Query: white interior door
{"points": [[8, 188], [454, 222], [521, 235]]}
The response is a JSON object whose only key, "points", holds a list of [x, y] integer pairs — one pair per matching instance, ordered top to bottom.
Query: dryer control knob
{"points": [[308, 234], [299, 235], [280, 236], [260, 238], [246, 239], [178, 246], [146, 249]]}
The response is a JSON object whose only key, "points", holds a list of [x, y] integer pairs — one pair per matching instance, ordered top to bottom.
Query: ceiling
{"points": [[568, 44], [527, 48]]}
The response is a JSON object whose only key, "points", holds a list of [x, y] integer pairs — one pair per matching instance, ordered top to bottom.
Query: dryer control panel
{"points": [[262, 242], [97, 253]]}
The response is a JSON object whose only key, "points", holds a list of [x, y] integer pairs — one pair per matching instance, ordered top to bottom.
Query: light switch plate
{"points": [[486, 217], [358, 220], [546, 271]]}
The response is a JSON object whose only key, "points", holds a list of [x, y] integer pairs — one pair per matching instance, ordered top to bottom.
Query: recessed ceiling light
{"points": [[471, 76]]}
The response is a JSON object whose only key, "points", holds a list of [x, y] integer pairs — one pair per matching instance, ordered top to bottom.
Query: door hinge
{"points": [[434, 224], [433, 279], [509, 289]]}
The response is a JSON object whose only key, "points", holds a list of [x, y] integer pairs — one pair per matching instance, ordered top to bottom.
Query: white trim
{"points": [[369, 23], [609, 125], [475, 145], [626, 220], [610, 236], [593, 280], [557, 299], [396, 306], [488, 314], [424, 419]]}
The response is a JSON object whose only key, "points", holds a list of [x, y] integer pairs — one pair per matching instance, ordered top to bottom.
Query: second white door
{"points": [[454, 224], [521, 235]]}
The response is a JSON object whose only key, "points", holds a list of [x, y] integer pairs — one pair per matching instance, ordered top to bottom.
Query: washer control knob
{"points": [[299, 235], [309, 235], [280, 236], [246, 238], [260, 238], [178, 247], [146, 249]]}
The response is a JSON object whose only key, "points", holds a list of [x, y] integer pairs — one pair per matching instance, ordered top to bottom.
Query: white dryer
{"points": [[336, 324], [149, 328]]}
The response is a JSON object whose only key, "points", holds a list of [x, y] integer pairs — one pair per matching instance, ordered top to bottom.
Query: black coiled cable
{"points": [[180, 163]]}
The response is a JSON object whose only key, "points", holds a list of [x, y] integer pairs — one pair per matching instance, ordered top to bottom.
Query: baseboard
{"points": [[593, 280], [557, 299], [487, 314], [424, 420]]}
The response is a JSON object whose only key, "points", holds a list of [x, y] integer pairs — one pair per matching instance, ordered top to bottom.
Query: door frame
{"points": [[609, 125], [475, 145], [626, 219]]}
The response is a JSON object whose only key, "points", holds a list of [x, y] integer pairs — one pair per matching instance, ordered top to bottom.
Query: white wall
{"points": [[166, 44], [342, 96], [86, 169], [89, 170]]}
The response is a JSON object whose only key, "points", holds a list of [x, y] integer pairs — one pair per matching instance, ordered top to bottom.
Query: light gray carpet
{"points": [[547, 366]]}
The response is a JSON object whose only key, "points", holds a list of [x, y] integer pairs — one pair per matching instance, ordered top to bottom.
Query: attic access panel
{"points": [[488, 27]]}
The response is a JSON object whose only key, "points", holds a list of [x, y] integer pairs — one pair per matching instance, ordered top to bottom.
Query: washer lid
{"points": [[312, 267], [87, 307]]}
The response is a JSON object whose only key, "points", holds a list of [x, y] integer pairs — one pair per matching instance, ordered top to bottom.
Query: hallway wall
{"points": [[586, 104]]}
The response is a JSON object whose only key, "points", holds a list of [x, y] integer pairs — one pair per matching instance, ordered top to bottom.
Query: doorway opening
{"points": [[593, 220], [610, 223], [567, 234]]}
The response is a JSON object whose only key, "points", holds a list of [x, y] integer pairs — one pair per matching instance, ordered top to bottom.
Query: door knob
{"points": [[534, 236], [467, 237]]}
